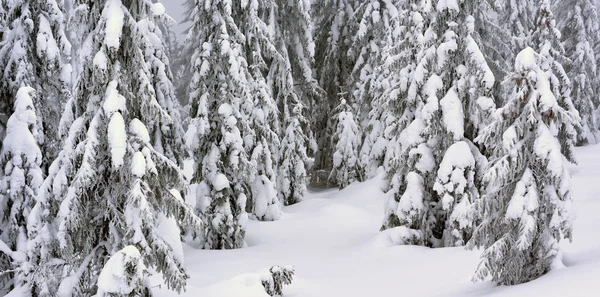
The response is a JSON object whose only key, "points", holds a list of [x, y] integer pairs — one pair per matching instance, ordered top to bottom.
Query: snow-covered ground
{"points": [[332, 240]]}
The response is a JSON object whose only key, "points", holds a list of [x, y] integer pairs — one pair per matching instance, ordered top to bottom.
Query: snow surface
{"points": [[114, 23], [332, 240], [114, 278]]}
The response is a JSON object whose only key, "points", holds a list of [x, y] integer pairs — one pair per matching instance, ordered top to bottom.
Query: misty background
{"points": [[176, 10]]}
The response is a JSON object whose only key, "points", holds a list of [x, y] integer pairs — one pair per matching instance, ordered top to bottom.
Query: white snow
{"points": [[447, 4], [158, 9], [114, 23], [46, 45], [100, 60], [526, 60], [114, 101], [452, 114], [137, 128], [117, 139], [19, 143], [138, 164], [220, 182], [169, 232], [332, 239], [115, 278]]}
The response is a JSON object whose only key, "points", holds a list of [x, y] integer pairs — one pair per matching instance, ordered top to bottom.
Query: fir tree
{"points": [[518, 19], [578, 23], [372, 27], [332, 39], [494, 40], [546, 41], [35, 51], [219, 91], [296, 93], [393, 106], [263, 114], [167, 136], [346, 140], [411, 159], [436, 160], [20, 179], [109, 180], [291, 181], [527, 199]]}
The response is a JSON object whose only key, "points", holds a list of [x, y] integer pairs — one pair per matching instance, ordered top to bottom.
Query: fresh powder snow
{"points": [[332, 239]]}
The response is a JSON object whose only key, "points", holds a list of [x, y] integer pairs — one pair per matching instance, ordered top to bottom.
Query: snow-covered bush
{"points": [[276, 278]]}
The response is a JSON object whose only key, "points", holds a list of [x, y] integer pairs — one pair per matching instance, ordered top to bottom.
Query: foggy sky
{"points": [[176, 11]]}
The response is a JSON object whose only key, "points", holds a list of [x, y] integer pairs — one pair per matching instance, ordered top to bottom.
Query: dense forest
{"points": [[472, 108]]}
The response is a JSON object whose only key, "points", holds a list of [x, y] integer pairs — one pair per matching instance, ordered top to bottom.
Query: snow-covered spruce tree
{"points": [[518, 19], [578, 23], [371, 27], [375, 29], [495, 40], [546, 41], [35, 52], [333, 67], [219, 90], [296, 93], [393, 107], [167, 136], [262, 141], [346, 141], [436, 159], [20, 179], [109, 180], [291, 182], [527, 197], [405, 209]]}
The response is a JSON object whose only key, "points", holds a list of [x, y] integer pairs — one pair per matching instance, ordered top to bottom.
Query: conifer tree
{"points": [[518, 19], [578, 23], [372, 26], [333, 40], [494, 40], [546, 40], [35, 51], [219, 90], [296, 93], [393, 106], [168, 136], [346, 141], [263, 143], [412, 159], [433, 178], [20, 179], [109, 180], [291, 181], [527, 197]]}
